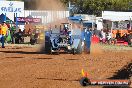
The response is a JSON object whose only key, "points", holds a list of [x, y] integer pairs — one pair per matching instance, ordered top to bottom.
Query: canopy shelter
{"points": [[2, 18], [76, 19], [122, 20]]}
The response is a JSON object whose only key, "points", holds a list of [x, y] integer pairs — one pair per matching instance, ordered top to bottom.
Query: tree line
{"points": [[97, 6]]}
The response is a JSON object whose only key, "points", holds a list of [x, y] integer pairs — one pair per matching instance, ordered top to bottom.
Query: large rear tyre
{"points": [[48, 45], [79, 48]]}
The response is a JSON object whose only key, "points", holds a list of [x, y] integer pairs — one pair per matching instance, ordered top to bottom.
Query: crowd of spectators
{"points": [[13, 36], [101, 36]]}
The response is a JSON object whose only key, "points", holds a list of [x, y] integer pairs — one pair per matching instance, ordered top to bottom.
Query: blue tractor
{"points": [[63, 39]]}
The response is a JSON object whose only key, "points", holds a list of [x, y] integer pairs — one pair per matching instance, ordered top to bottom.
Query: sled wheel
{"points": [[85, 81]]}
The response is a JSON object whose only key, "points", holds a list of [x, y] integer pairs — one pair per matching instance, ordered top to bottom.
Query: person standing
{"points": [[4, 29], [0, 32], [19, 36], [87, 36], [103, 36], [109, 36]]}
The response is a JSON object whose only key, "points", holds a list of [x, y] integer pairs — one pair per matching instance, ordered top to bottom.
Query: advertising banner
{"points": [[11, 6], [31, 20]]}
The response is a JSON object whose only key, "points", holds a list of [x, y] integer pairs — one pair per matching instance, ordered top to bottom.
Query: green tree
{"points": [[97, 6]]}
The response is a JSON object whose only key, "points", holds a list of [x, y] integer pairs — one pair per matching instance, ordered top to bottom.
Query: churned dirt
{"points": [[24, 67]]}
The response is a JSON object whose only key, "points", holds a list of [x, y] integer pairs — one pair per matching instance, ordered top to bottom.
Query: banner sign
{"points": [[11, 6], [25, 19]]}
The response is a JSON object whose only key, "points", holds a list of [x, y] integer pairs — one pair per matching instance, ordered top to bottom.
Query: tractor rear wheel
{"points": [[48, 45], [79, 48]]}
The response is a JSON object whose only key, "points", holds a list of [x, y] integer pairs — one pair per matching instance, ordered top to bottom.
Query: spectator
{"points": [[0, 29], [4, 29], [12, 31], [0, 32], [96, 32], [18, 36], [36, 36], [103, 36], [109, 36], [33, 37], [125, 37], [100, 38], [95, 39]]}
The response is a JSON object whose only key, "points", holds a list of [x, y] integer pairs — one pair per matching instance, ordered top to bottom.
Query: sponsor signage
{"points": [[11, 6], [31, 20]]}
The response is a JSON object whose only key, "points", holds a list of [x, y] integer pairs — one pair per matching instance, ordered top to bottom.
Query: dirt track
{"points": [[23, 67]]}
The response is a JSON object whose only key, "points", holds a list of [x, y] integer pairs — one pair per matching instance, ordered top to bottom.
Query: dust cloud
{"points": [[55, 5], [96, 49]]}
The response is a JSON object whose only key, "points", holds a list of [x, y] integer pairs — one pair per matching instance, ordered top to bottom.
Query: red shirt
{"points": [[95, 39]]}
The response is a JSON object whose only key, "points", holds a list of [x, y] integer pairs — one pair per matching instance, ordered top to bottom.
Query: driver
{"points": [[65, 29]]}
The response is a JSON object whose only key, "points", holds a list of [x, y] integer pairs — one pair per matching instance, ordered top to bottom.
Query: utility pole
{"points": [[69, 4], [81, 6], [69, 7], [130, 23]]}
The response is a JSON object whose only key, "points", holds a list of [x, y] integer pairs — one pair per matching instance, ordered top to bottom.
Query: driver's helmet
{"points": [[66, 26]]}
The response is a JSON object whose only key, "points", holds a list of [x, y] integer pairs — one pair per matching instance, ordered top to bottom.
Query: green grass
{"points": [[115, 47]]}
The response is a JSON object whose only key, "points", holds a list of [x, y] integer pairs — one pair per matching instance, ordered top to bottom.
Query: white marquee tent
{"points": [[116, 16]]}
